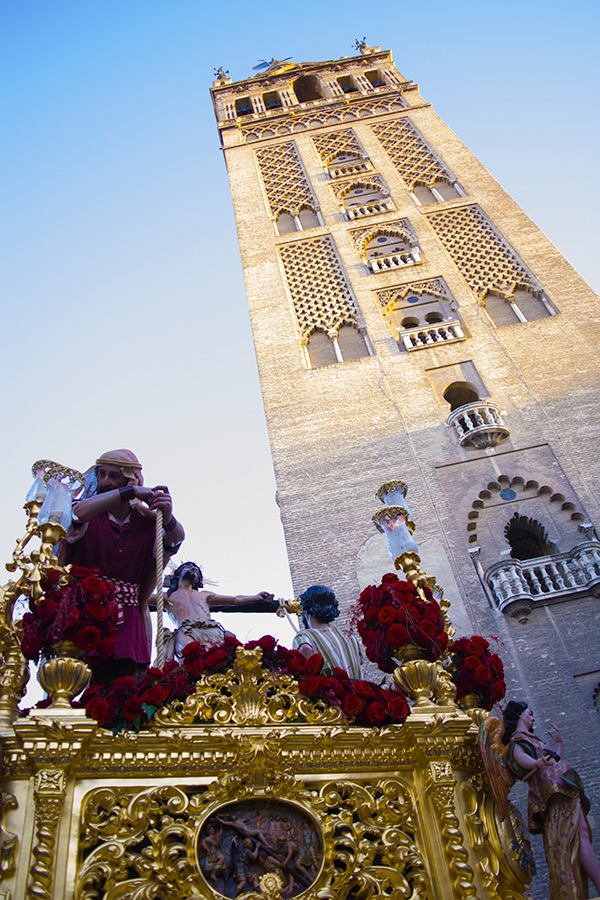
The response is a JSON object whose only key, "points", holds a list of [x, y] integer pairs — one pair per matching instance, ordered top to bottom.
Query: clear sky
{"points": [[124, 322]]}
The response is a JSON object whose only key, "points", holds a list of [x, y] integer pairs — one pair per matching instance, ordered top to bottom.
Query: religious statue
{"points": [[113, 529], [189, 608], [339, 649], [557, 804]]}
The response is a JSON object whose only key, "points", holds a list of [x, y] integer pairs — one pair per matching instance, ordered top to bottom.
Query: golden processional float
{"points": [[246, 788]]}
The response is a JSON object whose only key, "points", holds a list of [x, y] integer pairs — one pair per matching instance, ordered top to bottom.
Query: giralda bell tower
{"points": [[412, 323]]}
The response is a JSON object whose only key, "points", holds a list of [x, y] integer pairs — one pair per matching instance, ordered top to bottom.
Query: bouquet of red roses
{"points": [[82, 611], [392, 615], [476, 670]]}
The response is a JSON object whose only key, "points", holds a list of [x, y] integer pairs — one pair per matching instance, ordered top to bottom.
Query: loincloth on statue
{"points": [[208, 633]]}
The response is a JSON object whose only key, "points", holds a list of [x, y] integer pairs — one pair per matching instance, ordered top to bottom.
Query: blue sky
{"points": [[123, 306]]}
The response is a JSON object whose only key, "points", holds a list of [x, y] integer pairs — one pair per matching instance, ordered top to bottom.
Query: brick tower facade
{"points": [[410, 321]]}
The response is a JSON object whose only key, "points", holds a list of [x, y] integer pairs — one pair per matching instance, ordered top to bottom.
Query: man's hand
{"points": [[159, 498]]}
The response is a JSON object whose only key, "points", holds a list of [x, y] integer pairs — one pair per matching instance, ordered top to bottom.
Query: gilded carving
{"points": [[248, 695], [441, 791], [9, 842]]}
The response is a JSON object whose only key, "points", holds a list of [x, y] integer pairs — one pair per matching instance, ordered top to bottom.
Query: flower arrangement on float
{"points": [[76, 618], [396, 622], [477, 672], [130, 704]]}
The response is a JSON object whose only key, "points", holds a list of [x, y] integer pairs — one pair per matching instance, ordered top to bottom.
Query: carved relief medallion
{"points": [[240, 842]]}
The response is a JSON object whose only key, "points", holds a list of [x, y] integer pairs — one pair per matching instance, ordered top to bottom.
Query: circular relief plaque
{"points": [[241, 841]]}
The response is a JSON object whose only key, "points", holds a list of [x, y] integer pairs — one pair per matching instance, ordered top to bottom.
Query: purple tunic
{"points": [[124, 552]]}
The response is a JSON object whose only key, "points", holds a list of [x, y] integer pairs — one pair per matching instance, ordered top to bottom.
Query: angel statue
{"points": [[557, 804]]}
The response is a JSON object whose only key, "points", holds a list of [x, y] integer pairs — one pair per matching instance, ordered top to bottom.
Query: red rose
{"points": [[81, 572], [391, 578], [50, 579], [94, 586], [46, 608], [96, 610], [371, 613], [386, 616], [397, 635], [87, 638], [32, 643], [267, 643], [105, 648], [191, 651], [216, 658], [472, 663], [297, 664], [314, 664], [195, 668], [483, 675], [181, 683], [310, 686], [365, 690], [156, 695], [353, 705], [98, 709], [132, 709], [397, 709], [376, 713]]}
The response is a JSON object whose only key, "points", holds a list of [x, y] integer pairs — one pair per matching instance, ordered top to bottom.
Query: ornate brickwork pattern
{"points": [[328, 116], [336, 142], [410, 154], [285, 181], [360, 237], [484, 258], [436, 287], [319, 290]]}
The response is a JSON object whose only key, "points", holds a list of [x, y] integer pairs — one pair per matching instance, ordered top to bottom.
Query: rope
{"points": [[160, 637]]}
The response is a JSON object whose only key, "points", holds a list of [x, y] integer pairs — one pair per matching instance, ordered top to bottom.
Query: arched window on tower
{"points": [[309, 87], [441, 190], [365, 199], [308, 218], [285, 223], [522, 305], [351, 343], [324, 349], [459, 393], [528, 539]]}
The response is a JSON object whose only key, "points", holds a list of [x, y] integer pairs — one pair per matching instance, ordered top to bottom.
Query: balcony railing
{"points": [[349, 168], [369, 209], [410, 257], [419, 337], [478, 424], [517, 586]]}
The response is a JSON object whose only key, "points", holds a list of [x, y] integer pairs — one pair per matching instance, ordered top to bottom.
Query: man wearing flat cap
{"points": [[114, 530]]}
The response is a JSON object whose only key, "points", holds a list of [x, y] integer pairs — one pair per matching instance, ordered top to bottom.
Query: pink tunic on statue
{"points": [[125, 552]]}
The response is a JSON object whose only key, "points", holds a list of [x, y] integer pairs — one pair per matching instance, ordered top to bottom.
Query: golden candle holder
{"points": [[63, 678], [417, 679]]}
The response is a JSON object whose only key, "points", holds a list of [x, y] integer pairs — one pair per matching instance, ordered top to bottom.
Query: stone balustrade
{"points": [[349, 168], [369, 209], [410, 257], [424, 336], [478, 424], [517, 586]]}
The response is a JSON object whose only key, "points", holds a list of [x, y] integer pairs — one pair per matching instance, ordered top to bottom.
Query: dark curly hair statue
{"points": [[193, 571], [320, 602], [511, 715]]}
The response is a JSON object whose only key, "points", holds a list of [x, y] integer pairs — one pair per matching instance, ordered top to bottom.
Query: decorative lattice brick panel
{"points": [[343, 141], [410, 154], [285, 182], [485, 259], [435, 287], [319, 290]]}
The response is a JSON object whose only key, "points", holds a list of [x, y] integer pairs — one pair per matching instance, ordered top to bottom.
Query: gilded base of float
{"points": [[399, 812]]}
